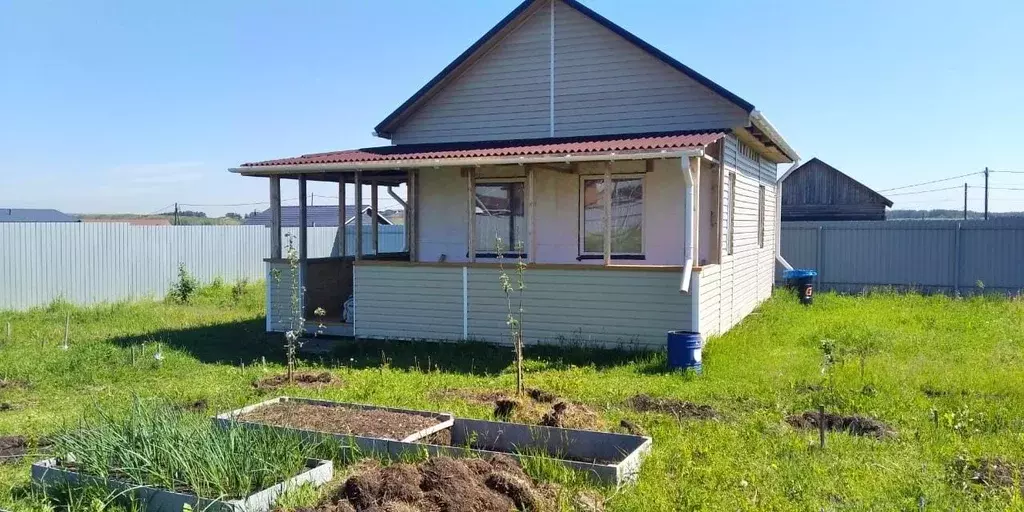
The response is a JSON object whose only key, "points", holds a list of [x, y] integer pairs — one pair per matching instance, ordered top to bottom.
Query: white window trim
{"points": [[526, 213], [732, 213], [762, 221], [580, 228]]}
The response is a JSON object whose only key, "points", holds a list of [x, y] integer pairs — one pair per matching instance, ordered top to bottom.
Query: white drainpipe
{"points": [[394, 196], [688, 201], [778, 215]]}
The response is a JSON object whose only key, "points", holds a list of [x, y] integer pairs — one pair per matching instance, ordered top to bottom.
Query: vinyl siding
{"points": [[603, 84], [279, 296], [592, 307]]}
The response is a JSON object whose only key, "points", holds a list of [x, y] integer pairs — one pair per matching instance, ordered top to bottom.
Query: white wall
{"points": [[444, 211]]}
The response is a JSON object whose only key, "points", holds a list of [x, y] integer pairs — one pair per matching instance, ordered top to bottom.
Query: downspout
{"points": [[396, 198], [688, 200], [778, 216]]}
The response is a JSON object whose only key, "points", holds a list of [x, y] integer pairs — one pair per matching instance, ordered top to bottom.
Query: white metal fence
{"points": [[932, 256], [87, 263]]}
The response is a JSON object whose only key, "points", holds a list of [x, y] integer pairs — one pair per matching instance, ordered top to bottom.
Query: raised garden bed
{"points": [[366, 428], [52, 472]]}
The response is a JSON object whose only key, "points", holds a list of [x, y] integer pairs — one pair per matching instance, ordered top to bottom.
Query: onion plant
{"points": [[159, 446]]}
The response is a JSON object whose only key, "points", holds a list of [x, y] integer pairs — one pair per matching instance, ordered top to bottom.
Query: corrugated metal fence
{"points": [[932, 256], [87, 263]]}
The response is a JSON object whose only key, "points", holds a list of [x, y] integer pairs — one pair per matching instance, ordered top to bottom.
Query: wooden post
{"points": [[410, 208], [696, 211], [607, 213], [359, 215], [531, 215], [275, 217], [342, 217], [302, 218], [471, 219], [374, 235], [821, 426]]}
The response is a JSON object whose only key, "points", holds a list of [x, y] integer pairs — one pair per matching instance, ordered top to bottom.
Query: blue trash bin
{"points": [[803, 281], [684, 350]]}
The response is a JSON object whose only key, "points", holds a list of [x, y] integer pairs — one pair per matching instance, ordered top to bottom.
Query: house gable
{"points": [[556, 69]]}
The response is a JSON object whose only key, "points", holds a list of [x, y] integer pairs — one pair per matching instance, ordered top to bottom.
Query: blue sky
{"points": [[130, 106]]}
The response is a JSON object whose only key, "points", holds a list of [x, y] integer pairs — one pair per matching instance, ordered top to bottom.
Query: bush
{"points": [[184, 289]]}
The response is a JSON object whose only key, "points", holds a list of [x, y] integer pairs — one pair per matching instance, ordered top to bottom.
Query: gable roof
{"points": [[386, 127], [809, 164], [34, 215], [316, 216]]}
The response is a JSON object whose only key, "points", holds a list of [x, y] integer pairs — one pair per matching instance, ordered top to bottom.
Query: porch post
{"points": [[471, 200], [410, 209], [607, 213], [359, 215], [531, 216], [275, 217], [342, 235], [374, 235], [302, 241]]}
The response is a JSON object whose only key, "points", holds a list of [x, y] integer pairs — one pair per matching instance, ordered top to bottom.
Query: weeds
{"points": [[184, 288]]}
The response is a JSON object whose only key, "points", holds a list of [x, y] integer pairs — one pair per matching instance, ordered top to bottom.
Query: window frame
{"points": [[761, 198], [581, 228], [729, 245], [510, 251]]}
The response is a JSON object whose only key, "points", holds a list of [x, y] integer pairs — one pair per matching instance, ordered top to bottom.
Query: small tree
{"points": [[296, 318], [514, 320]]}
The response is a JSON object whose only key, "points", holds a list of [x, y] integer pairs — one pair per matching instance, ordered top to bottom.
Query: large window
{"points": [[627, 217], [500, 219]]}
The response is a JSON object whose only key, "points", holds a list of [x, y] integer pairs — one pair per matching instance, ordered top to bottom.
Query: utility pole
{"points": [[986, 193], [965, 201], [175, 214]]}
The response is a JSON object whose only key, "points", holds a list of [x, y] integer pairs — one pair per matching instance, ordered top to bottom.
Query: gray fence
{"points": [[932, 256], [86, 263]]}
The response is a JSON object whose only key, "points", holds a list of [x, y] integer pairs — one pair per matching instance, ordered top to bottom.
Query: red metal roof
{"points": [[533, 147]]}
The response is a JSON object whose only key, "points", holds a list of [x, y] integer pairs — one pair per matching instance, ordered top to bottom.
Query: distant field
{"points": [[946, 375]]}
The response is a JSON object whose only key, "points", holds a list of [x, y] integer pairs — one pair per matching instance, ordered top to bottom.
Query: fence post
{"points": [[817, 256], [956, 260]]}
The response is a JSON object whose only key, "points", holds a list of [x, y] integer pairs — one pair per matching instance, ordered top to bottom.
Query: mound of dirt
{"points": [[302, 379], [11, 384], [198, 406], [6, 407], [538, 407], [681, 409], [856, 425], [631, 428], [14, 448], [990, 473], [446, 485]]}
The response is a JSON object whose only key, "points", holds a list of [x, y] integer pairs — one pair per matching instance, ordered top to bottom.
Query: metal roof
{"points": [[505, 148], [34, 215], [316, 216]]}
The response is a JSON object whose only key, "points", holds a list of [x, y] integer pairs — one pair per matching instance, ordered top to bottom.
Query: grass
{"points": [[947, 374]]}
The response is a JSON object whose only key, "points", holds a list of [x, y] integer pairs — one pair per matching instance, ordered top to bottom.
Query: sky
{"points": [[128, 106]]}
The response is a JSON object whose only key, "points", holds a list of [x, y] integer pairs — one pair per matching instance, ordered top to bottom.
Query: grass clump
{"points": [[154, 444]]}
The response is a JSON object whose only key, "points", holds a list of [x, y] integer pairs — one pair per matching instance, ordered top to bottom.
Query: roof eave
{"points": [[761, 122]]}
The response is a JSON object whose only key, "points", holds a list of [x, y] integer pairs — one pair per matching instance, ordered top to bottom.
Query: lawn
{"points": [[947, 375]]}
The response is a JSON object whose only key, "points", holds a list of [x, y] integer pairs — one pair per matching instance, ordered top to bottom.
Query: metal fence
{"points": [[931, 256], [87, 263]]}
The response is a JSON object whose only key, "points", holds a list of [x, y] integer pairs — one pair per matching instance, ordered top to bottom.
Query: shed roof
{"points": [[810, 164], [34, 215], [316, 216]]}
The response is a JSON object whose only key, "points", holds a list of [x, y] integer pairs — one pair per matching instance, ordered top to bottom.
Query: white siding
{"points": [[603, 84], [597, 307]]}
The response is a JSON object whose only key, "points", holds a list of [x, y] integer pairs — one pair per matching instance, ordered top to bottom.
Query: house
{"points": [[817, 191], [640, 193], [34, 215], [316, 216], [134, 221]]}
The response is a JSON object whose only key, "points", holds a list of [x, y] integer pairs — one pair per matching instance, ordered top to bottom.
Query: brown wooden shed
{"points": [[818, 191]]}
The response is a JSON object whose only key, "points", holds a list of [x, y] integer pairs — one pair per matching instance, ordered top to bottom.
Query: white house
{"points": [[641, 193]]}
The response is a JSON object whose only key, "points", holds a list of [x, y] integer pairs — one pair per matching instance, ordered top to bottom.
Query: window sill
{"points": [[503, 255], [639, 257]]}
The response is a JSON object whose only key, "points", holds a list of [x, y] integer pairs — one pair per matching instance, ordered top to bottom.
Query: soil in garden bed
{"points": [[302, 380], [537, 407], [681, 409], [341, 420], [856, 425], [15, 448], [444, 484]]}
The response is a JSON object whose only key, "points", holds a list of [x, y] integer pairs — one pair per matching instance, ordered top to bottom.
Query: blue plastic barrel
{"points": [[684, 350]]}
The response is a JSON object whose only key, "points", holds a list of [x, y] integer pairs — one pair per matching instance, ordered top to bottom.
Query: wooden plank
{"points": [[374, 201], [607, 213], [531, 215], [359, 216], [412, 216], [275, 217], [471, 219], [342, 239], [541, 266]]}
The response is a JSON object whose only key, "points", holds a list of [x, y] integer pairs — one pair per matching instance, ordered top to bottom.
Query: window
{"points": [[749, 152], [730, 195], [500, 215], [760, 216], [627, 217]]}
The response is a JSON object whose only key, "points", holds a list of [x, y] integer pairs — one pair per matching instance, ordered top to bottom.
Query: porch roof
{"points": [[612, 147]]}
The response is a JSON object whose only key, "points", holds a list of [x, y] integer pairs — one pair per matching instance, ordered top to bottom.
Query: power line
{"points": [[933, 181], [927, 191]]}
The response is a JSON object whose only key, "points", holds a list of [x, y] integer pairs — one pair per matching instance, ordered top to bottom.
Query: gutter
{"points": [[762, 123], [271, 170], [394, 196], [688, 200], [778, 215]]}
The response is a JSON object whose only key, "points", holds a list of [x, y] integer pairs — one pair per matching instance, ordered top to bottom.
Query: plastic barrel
{"points": [[803, 281], [684, 350]]}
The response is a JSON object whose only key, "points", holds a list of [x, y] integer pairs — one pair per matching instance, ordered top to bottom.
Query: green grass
{"points": [[927, 358]]}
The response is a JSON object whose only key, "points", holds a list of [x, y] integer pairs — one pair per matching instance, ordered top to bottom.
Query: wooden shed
{"points": [[818, 191]]}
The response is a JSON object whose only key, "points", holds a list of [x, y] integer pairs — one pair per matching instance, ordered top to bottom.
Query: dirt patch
{"points": [[302, 380], [12, 384], [200, 405], [4, 407], [537, 407], [681, 409], [341, 420], [856, 425], [631, 428], [440, 438], [14, 448], [991, 473], [444, 484]]}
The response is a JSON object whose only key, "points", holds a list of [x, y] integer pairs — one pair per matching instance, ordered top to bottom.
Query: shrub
{"points": [[184, 289]]}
